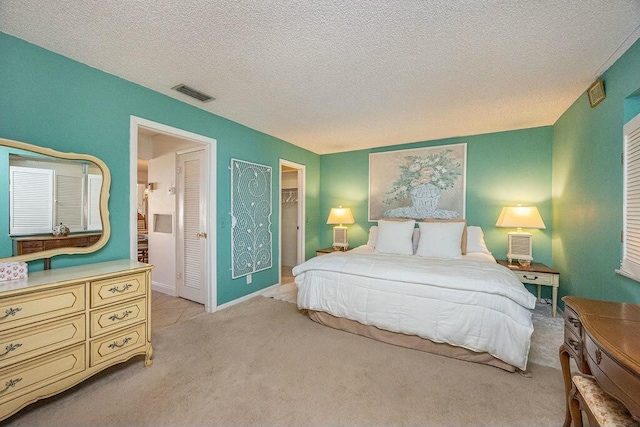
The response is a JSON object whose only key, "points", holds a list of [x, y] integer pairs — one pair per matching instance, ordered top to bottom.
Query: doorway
{"points": [[164, 146], [292, 218]]}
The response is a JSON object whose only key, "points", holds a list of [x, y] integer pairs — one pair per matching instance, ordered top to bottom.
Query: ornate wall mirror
{"points": [[40, 189]]}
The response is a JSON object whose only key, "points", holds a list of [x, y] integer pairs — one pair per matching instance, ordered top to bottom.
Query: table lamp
{"points": [[340, 216], [520, 242]]}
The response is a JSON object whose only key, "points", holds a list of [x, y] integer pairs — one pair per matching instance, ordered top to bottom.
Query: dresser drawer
{"points": [[32, 244], [29, 247], [534, 278], [117, 289], [34, 307], [117, 317], [572, 320], [33, 341], [573, 344], [114, 345], [609, 373], [33, 375]]}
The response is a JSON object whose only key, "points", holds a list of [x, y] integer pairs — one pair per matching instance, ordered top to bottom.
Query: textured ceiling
{"points": [[340, 75]]}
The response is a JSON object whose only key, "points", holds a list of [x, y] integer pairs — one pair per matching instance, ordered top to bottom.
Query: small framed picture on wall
{"points": [[596, 93]]}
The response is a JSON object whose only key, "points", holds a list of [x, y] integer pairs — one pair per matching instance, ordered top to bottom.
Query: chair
{"points": [[143, 241], [601, 409]]}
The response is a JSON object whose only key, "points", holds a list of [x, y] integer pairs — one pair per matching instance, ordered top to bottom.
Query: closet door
{"points": [[192, 236]]}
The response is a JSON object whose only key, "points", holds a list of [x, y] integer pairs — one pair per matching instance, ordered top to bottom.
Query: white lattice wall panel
{"points": [[250, 218]]}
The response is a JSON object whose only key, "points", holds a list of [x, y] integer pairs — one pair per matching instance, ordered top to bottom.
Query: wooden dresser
{"points": [[31, 244], [61, 326], [604, 340]]}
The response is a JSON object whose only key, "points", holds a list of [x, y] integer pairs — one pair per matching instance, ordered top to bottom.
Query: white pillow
{"points": [[373, 236], [394, 237], [440, 239], [475, 240]]}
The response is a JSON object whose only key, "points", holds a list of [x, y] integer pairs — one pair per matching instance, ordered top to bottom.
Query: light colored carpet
{"points": [[548, 332], [263, 362]]}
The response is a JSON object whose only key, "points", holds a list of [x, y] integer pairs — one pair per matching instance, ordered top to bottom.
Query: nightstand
{"points": [[328, 251], [537, 274]]}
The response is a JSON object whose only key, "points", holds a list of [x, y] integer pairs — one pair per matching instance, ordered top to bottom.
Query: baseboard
{"points": [[163, 288], [244, 298]]}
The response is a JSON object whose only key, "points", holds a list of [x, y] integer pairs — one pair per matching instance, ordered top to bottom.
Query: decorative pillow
{"points": [[373, 236], [394, 237], [440, 239], [475, 240], [463, 242]]}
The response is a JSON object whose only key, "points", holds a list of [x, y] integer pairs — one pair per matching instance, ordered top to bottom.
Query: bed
{"points": [[456, 302]]}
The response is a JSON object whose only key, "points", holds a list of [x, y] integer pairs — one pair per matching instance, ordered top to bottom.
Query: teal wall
{"points": [[52, 101], [503, 169], [588, 187]]}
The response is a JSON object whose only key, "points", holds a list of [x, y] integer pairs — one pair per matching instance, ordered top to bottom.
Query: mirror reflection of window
{"points": [[47, 192]]}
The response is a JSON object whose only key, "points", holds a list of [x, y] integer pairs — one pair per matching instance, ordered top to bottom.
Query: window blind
{"points": [[69, 201], [31, 202], [631, 234]]}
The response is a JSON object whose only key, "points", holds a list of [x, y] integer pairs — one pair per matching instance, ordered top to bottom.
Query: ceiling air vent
{"points": [[189, 91]]}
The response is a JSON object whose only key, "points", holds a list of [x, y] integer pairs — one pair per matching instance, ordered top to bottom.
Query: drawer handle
{"points": [[530, 278], [124, 288], [10, 312], [124, 315], [575, 322], [575, 344], [116, 345], [10, 348], [598, 356], [9, 384]]}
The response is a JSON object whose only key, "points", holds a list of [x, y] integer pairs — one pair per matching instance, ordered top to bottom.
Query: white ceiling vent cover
{"points": [[189, 91]]}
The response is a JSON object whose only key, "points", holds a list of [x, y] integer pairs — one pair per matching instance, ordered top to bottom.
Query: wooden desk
{"points": [[604, 340]]}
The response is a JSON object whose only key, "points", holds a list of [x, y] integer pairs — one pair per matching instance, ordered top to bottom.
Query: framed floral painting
{"points": [[418, 183]]}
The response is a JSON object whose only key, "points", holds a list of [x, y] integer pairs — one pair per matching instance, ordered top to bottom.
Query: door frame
{"points": [[300, 255], [211, 291]]}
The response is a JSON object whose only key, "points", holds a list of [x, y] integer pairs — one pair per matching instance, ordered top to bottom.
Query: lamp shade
{"points": [[340, 215], [520, 217]]}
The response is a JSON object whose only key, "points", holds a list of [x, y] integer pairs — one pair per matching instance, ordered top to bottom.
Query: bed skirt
{"points": [[408, 341]]}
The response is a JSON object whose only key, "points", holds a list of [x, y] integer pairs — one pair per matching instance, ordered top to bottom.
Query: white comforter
{"points": [[469, 302]]}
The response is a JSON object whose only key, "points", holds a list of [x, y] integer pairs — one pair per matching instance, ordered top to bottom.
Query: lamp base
{"points": [[340, 238], [519, 246]]}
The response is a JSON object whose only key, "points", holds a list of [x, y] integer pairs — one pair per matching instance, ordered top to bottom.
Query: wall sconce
{"points": [[149, 188], [340, 216], [520, 242]]}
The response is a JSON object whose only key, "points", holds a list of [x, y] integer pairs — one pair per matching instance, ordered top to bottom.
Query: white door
{"points": [[192, 219]]}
